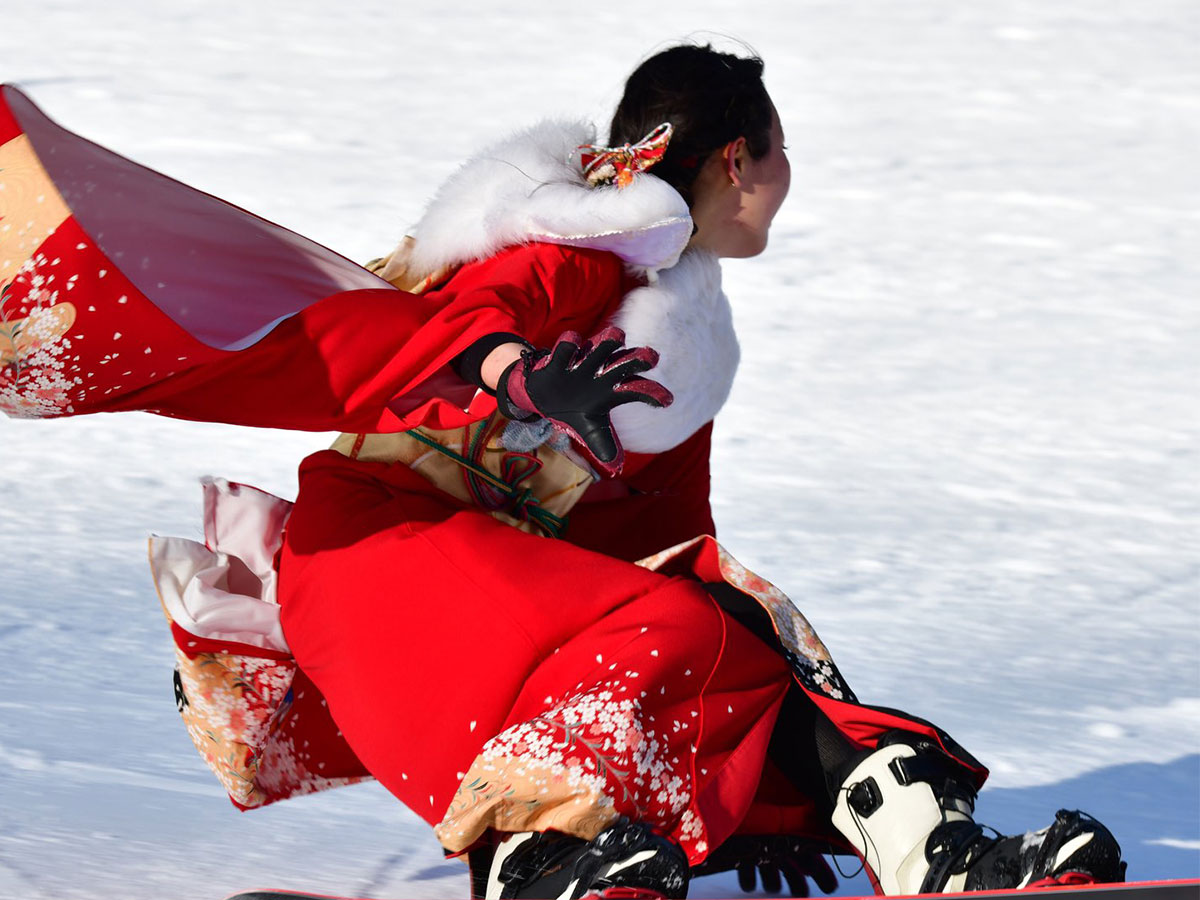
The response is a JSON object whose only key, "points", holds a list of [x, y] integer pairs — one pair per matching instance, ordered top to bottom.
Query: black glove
{"points": [[577, 385], [773, 856]]}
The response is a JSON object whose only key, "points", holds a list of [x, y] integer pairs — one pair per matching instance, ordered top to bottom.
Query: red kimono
{"points": [[489, 678]]}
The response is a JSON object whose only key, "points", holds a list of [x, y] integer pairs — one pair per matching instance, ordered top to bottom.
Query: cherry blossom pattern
{"points": [[76, 335], [35, 380], [239, 712], [577, 767]]}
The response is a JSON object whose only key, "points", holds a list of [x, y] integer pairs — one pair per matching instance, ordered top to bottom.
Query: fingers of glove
{"points": [[611, 333], [566, 348], [598, 354], [647, 358], [626, 369], [641, 390], [809, 865], [819, 871], [745, 876], [797, 879], [771, 882]]}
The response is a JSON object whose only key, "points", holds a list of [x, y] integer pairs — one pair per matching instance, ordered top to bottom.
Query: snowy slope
{"points": [[964, 437]]}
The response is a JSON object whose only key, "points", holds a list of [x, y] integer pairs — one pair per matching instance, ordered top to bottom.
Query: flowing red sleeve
{"points": [[123, 289], [379, 360]]}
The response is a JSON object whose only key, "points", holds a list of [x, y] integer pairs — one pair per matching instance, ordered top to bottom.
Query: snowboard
{"points": [[1186, 889]]}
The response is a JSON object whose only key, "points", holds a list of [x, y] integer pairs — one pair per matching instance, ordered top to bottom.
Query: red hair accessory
{"points": [[618, 165]]}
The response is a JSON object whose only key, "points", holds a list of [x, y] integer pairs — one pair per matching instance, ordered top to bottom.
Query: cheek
{"points": [[785, 181], [772, 197]]}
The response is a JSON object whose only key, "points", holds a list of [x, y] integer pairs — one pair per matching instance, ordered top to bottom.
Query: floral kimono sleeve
{"points": [[122, 289]]}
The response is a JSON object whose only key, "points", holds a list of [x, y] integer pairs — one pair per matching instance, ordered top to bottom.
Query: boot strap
{"points": [[931, 766], [943, 773], [950, 857]]}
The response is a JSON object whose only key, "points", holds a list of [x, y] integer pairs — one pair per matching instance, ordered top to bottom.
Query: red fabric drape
{"points": [[123, 289]]}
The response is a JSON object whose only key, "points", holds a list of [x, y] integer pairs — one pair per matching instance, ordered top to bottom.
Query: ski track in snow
{"points": [[964, 436]]}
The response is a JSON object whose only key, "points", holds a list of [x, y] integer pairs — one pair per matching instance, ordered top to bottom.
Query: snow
{"points": [[963, 439]]}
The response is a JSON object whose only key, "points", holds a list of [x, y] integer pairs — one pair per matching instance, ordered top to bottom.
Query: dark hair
{"points": [[710, 98]]}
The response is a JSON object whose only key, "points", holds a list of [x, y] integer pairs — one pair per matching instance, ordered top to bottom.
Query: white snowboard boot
{"points": [[907, 809]]}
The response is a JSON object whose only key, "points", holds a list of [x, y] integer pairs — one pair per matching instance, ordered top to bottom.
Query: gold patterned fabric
{"points": [[545, 478]]}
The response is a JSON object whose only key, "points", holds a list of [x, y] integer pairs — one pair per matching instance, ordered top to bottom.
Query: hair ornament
{"points": [[618, 165]]}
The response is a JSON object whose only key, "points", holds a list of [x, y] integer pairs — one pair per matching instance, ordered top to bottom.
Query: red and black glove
{"points": [[577, 384], [776, 857]]}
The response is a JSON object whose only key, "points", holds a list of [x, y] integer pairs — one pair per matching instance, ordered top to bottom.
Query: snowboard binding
{"points": [[907, 808], [627, 861]]}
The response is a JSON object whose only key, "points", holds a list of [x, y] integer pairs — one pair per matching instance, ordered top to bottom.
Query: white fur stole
{"points": [[530, 187], [686, 317]]}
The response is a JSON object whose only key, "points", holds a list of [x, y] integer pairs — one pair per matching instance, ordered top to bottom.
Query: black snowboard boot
{"points": [[907, 808], [627, 861]]}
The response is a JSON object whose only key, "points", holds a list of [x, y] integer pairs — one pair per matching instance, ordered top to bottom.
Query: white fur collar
{"points": [[529, 187], [686, 317]]}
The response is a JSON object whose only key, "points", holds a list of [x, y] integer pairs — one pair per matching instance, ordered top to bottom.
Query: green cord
{"points": [[522, 499]]}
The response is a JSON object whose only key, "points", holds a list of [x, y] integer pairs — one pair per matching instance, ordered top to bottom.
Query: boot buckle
{"points": [[865, 797]]}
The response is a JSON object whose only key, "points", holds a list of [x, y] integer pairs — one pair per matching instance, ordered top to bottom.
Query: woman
{"points": [[514, 609], [595, 723]]}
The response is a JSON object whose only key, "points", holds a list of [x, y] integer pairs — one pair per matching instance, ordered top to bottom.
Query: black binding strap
{"points": [[929, 765], [949, 853]]}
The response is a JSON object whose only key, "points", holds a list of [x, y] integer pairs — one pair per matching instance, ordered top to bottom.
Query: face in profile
{"points": [[765, 184], [737, 196]]}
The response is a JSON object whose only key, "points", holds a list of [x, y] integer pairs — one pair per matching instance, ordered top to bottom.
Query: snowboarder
{"points": [[503, 579], [589, 722]]}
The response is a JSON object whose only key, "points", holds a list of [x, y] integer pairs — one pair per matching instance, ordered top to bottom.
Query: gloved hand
{"points": [[577, 384], [772, 855]]}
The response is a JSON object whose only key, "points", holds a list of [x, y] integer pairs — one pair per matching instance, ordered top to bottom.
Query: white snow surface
{"points": [[963, 437]]}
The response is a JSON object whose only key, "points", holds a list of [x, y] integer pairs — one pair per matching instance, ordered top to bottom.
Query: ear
{"points": [[734, 158]]}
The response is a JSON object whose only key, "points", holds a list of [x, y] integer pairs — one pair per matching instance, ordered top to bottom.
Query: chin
{"points": [[749, 246]]}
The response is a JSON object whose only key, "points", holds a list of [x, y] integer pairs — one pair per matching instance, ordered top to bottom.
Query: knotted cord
{"points": [[521, 502]]}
